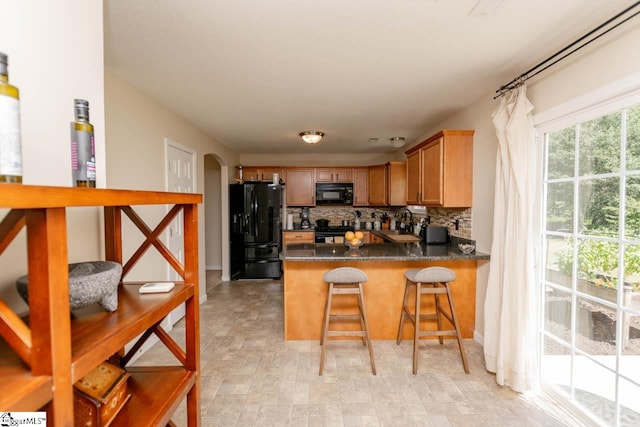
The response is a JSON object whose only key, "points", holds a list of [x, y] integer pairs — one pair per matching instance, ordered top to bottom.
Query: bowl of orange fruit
{"points": [[353, 239]]}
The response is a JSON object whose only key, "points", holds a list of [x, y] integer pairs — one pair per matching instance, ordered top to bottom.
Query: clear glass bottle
{"points": [[10, 141], [83, 160]]}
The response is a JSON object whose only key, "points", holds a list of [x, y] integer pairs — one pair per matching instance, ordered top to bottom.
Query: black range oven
{"points": [[324, 233]]}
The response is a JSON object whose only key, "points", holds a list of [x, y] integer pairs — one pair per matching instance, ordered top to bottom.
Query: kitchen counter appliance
{"points": [[334, 194], [255, 230], [331, 231], [434, 235]]}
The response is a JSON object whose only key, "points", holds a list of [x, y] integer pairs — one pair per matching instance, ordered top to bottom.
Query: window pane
{"points": [[633, 138], [599, 143], [561, 157], [599, 202], [560, 206], [632, 214], [598, 265], [559, 268], [632, 268], [557, 313], [595, 328], [556, 365], [594, 388], [630, 404]]}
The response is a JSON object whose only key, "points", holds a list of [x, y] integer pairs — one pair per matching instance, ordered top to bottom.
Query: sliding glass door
{"points": [[590, 275]]}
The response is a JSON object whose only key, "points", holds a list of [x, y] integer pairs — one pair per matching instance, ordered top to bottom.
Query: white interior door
{"points": [[180, 179]]}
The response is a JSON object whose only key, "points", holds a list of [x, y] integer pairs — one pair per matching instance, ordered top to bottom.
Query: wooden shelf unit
{"points": [[39, 362]]}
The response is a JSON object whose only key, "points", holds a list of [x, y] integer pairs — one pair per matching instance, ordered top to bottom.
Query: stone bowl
{"points": [[89, 283]]}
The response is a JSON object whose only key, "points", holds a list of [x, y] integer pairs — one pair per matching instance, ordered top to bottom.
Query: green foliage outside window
{"points": [[596, 143]]}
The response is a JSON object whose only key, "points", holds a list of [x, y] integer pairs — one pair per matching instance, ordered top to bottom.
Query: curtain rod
{"points": [[540, 67]]}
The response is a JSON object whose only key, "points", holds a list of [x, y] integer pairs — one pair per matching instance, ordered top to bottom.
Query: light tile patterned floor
{"points": [[251, 376]]}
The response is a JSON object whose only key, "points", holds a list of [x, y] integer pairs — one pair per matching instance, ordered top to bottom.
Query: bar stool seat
{"points": [[345, 281], [430, 281]]}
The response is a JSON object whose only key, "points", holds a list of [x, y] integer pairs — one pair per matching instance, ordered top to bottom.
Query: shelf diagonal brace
{"points": [[10, 227], [152, 238], [15, 332], [138, 344], [173, 347]]}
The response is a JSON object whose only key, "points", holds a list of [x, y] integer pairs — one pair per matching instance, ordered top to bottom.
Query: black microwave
{"points": [[334, 194]]}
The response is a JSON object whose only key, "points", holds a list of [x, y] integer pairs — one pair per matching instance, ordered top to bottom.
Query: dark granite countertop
{"points": [[387, 251]]}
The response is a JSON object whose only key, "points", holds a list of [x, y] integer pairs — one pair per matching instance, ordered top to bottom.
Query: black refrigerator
{"points": [[255, 230]]}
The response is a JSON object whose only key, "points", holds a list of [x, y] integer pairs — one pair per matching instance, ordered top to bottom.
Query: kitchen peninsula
{"points": [[384, 263]]}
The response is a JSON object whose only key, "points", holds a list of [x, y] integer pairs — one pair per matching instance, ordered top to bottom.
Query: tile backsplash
{"points": [[438, 216]]}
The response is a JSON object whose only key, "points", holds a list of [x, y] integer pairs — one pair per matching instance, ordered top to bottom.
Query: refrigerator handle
{"points": [[254, 214]]}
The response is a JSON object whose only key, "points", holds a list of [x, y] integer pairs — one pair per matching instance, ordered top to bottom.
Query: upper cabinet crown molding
{"points": [[440, 170]]}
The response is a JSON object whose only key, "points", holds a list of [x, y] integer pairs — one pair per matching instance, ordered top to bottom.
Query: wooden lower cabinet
{"points": [[298, 237], [383, 294], [42, 360]]}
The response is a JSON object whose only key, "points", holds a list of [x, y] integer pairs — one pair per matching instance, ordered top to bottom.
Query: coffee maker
{"points": [[304, 218]]}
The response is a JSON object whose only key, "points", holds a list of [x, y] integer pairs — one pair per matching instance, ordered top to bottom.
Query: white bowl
{"points": [[466, 248]]}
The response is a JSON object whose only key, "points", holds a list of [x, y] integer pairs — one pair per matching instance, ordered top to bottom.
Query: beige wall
{"points": [[607, 61], [51, 65], [136, 132], [213, 213]]}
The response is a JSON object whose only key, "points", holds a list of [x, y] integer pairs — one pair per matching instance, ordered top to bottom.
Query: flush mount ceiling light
{"points": [[311, 137], [397, 141]]}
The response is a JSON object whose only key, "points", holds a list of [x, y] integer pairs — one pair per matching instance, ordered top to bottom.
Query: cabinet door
{"points": [[432, 162], [251, 174], [267, 174], [324, 175], [342, 175], [414, 178], [396, 184], [378, 185], [360, 187], [301, 189], [298, 237], [375, 239]]}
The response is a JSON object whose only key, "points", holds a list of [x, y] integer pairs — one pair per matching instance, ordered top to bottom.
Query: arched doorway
{"points": [[216, 212]]}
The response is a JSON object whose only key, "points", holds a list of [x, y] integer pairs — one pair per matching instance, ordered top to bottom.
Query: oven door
{"points": [[329, 237]]}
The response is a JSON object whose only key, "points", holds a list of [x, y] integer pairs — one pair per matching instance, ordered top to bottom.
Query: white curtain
{"points": [[510, 307]]}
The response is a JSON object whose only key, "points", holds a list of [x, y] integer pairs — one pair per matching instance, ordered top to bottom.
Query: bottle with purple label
{"points": [[83, 157]]}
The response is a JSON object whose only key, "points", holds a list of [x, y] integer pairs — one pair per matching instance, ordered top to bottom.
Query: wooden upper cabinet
{"points": [[414, 168], [440, 170], [250, 173], [261, 173], [267, 174], [334, 175], [396, 183], [378, 185], [387, 185], [360, 186], [301, 187]]}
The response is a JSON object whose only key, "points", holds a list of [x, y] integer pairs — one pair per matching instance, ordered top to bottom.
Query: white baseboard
{"points": [[213, 267], [225, 278], [478, 338]]}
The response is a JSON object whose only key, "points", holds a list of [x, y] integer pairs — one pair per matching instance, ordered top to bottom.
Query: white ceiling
{"points": [[254, 73]]}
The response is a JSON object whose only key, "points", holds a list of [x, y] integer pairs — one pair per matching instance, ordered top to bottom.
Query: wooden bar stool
{"points": [[345, 281], [431, 281]]}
